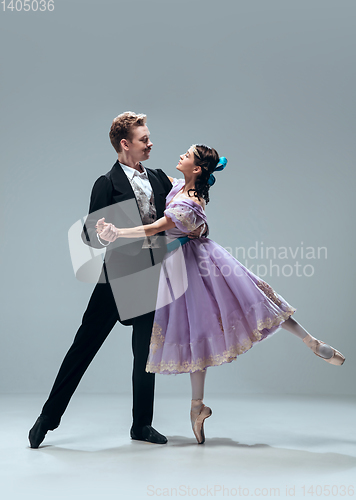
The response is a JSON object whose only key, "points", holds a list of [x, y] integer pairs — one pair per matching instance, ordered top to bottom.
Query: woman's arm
{"points": [[109, 232]]}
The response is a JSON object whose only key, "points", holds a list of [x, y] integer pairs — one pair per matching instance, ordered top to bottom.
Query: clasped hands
{"points": [[108, 232]]}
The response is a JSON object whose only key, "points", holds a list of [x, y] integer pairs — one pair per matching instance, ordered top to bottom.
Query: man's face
{"points": [[140, 145]]}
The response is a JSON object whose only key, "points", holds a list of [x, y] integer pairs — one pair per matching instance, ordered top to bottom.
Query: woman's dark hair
{"points": [[208, 159]]}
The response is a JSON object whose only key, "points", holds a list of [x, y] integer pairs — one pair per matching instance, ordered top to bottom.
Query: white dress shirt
{"points": [[140, 178]]}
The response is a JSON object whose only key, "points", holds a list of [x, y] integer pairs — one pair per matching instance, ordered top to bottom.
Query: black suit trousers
{"points": [[99, 319]]}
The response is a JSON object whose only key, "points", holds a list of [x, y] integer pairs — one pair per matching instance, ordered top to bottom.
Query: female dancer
{"points": [[220, 308]]}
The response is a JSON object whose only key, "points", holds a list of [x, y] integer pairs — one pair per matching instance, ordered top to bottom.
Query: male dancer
{"points": [[128, 181]]}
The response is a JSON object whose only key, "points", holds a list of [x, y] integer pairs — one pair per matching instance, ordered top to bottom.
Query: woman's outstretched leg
{"points": [[321, 349], [199, 412]]}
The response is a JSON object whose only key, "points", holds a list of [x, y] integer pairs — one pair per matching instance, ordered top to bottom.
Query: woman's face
{"points": [[186, 163]]}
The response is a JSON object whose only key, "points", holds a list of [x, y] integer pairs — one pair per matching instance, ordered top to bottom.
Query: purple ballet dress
{"points": [[210, 308]]}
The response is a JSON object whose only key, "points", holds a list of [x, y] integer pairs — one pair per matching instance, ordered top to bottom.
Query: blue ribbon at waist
{"points": [[172, 245]]}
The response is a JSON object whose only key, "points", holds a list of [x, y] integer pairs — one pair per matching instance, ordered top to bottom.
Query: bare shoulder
{"points": [[170, 178]]}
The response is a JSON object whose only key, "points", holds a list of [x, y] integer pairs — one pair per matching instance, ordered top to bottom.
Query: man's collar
{"points": [[130, 172]]}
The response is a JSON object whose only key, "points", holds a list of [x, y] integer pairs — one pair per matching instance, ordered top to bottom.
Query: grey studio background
{"points": [[269, 84]]}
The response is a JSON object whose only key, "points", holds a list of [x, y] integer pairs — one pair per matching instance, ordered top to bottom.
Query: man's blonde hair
{"points": [[122, 127]]}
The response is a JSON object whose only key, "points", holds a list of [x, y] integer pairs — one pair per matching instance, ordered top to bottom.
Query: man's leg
{"points": [[98, 320], [143, 382]]}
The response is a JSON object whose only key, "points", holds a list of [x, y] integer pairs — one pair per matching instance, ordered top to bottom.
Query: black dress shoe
{"points": [[38, 431], [148, 433]]}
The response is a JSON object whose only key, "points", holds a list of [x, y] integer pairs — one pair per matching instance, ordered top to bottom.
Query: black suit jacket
{"points": [[112, 197]]}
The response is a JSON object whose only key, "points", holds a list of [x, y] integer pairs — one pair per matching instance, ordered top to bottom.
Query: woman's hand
{"points": [[101, 225], [198, 231], [107, 232]]}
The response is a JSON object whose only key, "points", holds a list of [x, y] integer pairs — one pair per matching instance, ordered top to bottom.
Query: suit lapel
{"points": [[121, 183]]}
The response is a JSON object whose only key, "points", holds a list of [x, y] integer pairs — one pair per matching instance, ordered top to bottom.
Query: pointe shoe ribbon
{"points": [[336, 359], [198, 426]]}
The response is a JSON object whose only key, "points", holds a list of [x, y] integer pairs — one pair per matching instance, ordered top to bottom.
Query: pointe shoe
{"points": [[336, 359], [198, 425]]}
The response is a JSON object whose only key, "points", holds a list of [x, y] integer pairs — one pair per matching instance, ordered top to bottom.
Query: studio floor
{"points": [[257, 445]]}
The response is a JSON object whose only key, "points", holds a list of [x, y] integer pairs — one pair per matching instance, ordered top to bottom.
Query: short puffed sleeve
{"points": [[185, 217]]}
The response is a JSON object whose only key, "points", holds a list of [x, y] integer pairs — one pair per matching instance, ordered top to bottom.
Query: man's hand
{"points": [[198, 231], [107, 232]]}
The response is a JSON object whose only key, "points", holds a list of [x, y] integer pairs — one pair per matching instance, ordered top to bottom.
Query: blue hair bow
{"points": [[220, 166]]}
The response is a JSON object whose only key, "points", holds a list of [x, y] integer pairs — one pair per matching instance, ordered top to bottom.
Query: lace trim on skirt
{"points": [[227, 356]]}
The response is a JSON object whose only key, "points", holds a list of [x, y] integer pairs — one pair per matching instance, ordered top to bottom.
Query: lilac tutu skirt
{"points": [[210, 309]]}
